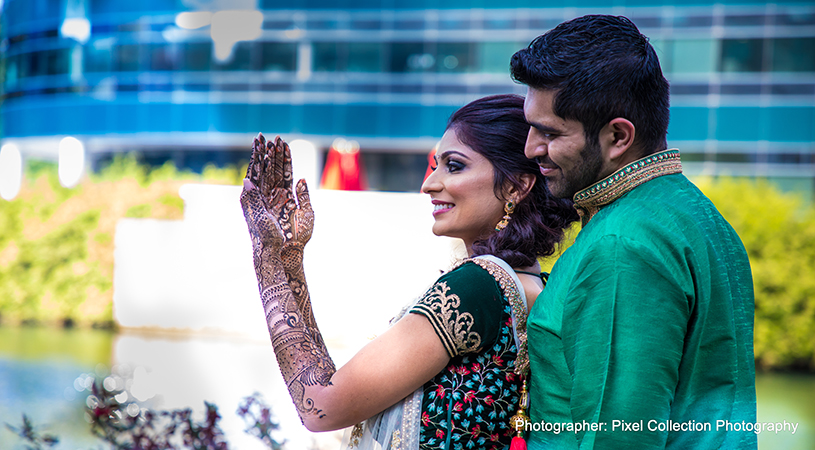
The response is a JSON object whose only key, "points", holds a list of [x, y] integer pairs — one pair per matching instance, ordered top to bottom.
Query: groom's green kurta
{"points": [[646, 319]]}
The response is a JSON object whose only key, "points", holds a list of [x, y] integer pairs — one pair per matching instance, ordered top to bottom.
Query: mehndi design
{"points": [[280, 228]]}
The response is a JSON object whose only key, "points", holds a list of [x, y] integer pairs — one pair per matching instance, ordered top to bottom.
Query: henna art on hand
{"points": [[279, 229]]}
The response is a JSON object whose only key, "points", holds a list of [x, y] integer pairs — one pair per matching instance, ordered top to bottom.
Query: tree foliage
{"points": [[778, 231], [56, 244]]}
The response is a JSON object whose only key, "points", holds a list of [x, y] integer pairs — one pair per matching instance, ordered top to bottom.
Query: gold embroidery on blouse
{"points": [[589, 201], [519, 312], [455, 326]]}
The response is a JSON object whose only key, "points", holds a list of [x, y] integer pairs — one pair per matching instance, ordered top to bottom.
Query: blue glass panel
{"points": [[128, 117], [160, 117], [195, 117], [231, 118], [274, 118], [318, 119], [73, 120], [361, 120], [404, 120], [439, 120], [688, 124], [738, 124], [788, 124]]}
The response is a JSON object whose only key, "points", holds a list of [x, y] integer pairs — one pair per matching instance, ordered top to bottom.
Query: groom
{"points": [[643, 337]]}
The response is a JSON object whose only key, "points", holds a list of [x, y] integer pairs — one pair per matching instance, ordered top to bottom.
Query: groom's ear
{"points": [[617, 140]]}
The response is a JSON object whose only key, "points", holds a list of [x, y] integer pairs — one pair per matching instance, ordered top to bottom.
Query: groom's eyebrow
{"points": [[542, 128]]}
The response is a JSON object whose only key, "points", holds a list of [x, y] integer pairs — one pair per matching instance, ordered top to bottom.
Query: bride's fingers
{"points": [[262, 141], [280, 163], [250, 167], [287, 169], [268, 173], [303, 198]]}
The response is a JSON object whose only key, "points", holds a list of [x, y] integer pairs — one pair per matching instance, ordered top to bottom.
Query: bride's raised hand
{"points": [[255, 199], [292, 207]]}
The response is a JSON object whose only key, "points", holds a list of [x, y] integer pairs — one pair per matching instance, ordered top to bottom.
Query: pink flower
{"points": [[469, 396], [489, 400], [425, 418]]}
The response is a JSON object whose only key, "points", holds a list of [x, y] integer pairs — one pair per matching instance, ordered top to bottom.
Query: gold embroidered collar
{"points": [[590, 200]]}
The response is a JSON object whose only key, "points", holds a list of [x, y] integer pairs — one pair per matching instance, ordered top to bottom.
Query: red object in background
{"points": [[431, 162], [343, 168]]}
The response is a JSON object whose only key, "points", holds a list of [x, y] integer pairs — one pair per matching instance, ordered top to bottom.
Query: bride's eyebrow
{"points": [[447, 154]]}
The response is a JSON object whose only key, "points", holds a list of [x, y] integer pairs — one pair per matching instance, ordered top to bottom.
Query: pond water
{"points": [[39, 367]]}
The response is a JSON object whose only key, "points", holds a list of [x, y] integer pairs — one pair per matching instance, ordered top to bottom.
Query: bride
{"points": [[449, 372]]}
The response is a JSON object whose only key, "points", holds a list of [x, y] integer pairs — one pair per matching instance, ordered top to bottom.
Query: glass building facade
{"points": [[193, 80]]}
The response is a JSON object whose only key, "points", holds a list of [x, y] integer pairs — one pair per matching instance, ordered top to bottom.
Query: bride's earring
{"points": [[509, 207]]}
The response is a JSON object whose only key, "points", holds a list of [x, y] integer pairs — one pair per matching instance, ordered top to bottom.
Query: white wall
{"points": [[371, 252]]}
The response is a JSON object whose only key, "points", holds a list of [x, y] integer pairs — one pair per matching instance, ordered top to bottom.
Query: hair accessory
{"points": [[509, 207]]}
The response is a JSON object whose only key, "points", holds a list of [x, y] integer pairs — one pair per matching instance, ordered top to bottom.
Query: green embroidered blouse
{"points": [[643, 336], [469, 403]]}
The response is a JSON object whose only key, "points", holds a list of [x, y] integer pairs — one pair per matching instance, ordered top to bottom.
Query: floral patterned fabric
{"points": [[468, 405]]}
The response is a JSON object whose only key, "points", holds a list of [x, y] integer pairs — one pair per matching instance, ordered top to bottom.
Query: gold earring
{"points": [[509, 207]]}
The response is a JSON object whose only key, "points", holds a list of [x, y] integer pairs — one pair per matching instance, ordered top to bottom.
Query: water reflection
{"points": [[37, 372], [41, 373], [789, 397]]}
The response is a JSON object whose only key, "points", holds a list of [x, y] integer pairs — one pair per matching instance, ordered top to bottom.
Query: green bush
{"points": [[778, 231], [56, 244]]}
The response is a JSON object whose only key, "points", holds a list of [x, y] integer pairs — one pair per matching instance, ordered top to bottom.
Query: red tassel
{"points": [[518, 443]]}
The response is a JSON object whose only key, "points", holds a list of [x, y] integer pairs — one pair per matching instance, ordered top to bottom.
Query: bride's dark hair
{"points": [[495, 127]]}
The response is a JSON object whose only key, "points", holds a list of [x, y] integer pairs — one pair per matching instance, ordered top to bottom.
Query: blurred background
{"points": [[126, 126]]}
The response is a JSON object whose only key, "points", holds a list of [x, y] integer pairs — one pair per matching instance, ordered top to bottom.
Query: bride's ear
{"points": [[527, 183]]}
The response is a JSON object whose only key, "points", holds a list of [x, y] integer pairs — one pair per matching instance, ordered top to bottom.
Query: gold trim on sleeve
{"points": [[453, 326]]}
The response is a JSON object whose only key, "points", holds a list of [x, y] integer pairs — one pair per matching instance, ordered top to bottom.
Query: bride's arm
{"points": [[381, 374]]}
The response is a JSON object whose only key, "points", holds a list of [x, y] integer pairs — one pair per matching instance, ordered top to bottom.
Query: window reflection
{"points": [[698, 54], [742, 55], [794, 55], [97, 56], [197, 56], [278, 56], [325, 56], [495, 56], [693, 56], [162, 57], [364, 57], [410, 57], [427, 57], [454, 57], [126, 58], [240, 59]]}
